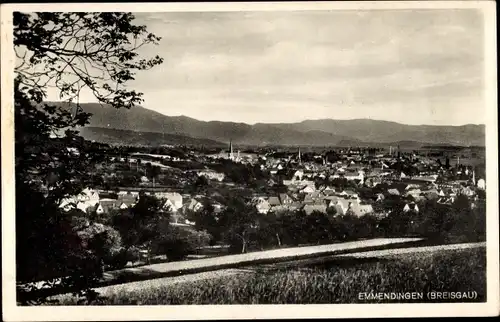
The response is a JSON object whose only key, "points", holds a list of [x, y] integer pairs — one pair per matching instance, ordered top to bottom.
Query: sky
{"points": [[407, 66]]}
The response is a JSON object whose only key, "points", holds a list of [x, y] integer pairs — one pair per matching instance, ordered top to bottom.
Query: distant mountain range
{"points": [[144, 126]]}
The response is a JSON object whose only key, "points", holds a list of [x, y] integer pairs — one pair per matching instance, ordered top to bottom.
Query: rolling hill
{"points": [[324, 132], [135, 138]]}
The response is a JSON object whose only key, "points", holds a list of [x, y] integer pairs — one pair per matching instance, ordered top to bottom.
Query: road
{"points": [[230, 261], [170, 271]]}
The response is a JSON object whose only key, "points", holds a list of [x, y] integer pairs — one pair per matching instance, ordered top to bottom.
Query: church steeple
{"points": [[230, 149], [300, 159]]}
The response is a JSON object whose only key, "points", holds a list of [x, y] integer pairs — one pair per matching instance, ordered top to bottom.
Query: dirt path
{"points": [[424, 249], [231, 261]]}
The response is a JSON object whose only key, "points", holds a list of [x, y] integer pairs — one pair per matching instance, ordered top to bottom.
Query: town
{"points": [[273, 182]]}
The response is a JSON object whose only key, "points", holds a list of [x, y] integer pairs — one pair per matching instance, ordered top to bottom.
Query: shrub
{"points": [[178, 242]]}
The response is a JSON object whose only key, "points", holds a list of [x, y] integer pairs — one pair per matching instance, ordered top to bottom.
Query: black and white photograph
{"points": [[249, 157]]}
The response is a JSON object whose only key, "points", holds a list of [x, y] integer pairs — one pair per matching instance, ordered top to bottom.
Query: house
{"points": [[211, 175], [298, 175], [423, 178], [373, 182], [481, 184], [307, 186], [412, 186], [307, 189], [328, 191], [468, 191], [393, 192], [128, 193], [415, 193], [349, 194], [316, 195], [431, 195], [380, 197], [87, 198], [285, 199], [308, 199], [173, 200], [446, 200], [127, 201], [274, 201], [331, 202], [109, 204], [79, 205], [193, 205], [262, 205], [343, 205], [123, 206], [411, 207], [99, 209], [309, 209], [360, 209]]}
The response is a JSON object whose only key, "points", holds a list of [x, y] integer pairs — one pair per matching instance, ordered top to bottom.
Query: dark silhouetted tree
{"points": [[71, 52]]}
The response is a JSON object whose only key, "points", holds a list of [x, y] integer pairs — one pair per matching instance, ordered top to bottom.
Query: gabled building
{"points": [[393, 192], [87, 198], [285, 199], [173, 200], [274, 201], [193, 205], [411, 207], [309, 209], [360, 209]]}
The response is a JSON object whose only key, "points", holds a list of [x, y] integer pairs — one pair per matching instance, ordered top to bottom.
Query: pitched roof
{"points": [[393, 192], [284, 196], [274, 201], [309, 209]]}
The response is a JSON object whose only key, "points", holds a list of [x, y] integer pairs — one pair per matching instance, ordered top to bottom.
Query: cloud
{"points": [[410, 66]]}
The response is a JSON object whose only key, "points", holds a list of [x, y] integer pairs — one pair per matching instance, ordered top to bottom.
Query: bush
{"points": [[180, 242], [118, 260]]}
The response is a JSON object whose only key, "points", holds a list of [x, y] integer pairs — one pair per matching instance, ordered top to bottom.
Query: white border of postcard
{"points": [[11, 312]]}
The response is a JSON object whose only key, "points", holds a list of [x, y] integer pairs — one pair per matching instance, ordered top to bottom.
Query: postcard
{"points": [[249, 160]]}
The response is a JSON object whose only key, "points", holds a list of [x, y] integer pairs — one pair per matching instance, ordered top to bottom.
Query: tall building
{"points": [[300, 159]]}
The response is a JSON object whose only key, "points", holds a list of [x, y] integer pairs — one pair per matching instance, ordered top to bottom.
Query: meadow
{"points": [[334, 281]]}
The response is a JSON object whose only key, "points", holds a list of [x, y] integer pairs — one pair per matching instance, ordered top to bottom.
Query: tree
{"points": [[71, 52], [206, 219], [238, 222], [143, 223], [319, 228], [178, 242]]}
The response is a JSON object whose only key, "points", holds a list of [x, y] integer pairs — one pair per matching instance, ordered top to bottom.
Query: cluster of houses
{"points": [[372, 173], [309, 186], [103, 202]]}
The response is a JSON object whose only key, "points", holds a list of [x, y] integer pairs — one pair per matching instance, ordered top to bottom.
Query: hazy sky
{"points": [[409, 66]]}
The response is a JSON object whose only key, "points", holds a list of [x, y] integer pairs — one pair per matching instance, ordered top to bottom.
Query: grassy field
{"points": [[338, 281]]}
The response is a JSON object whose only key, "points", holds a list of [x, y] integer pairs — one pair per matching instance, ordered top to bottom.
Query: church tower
{"points": [[230, 156], [300, 159]]}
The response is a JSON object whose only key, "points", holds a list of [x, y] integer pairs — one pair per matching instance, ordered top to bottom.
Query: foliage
{"points": [[70, 52], [208, 220], [238, 221], [142, 223], [178, 242]]}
